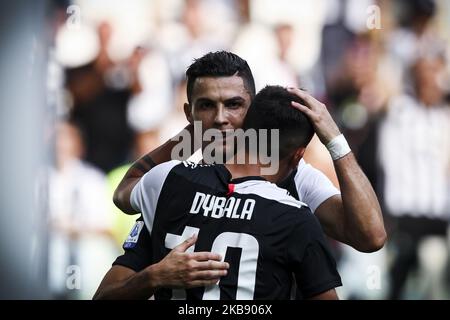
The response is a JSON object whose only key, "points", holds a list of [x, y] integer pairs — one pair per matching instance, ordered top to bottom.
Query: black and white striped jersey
{"points": [[306, 184], [264, 233]]}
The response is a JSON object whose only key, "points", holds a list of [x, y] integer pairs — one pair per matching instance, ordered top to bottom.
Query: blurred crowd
{"points": [[117, 87]]}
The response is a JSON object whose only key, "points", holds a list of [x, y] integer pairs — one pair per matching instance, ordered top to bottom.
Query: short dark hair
{"points": [[220, 64], [271, 109]]}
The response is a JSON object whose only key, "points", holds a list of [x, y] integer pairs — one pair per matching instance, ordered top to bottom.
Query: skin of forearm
{"points": [[164, 152], [140, 167], [122, 194], [362, 218], [139, 286], [328, 295]]}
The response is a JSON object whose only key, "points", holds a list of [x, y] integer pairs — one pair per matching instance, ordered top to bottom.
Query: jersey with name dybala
{"points": [[265, 234]]}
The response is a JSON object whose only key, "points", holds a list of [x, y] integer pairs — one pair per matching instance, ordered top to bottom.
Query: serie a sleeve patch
{"points": [[133, 237]]}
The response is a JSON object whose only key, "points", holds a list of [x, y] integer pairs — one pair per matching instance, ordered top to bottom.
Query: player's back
{"points": [[258, 228]]}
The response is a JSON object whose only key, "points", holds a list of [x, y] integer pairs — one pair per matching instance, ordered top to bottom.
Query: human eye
{"points": [[234, 104], [206, 105]]}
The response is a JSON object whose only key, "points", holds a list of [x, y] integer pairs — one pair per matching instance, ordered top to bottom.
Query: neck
{"points": [[243, 170]]}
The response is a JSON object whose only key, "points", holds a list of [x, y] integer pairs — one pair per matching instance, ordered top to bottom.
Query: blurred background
{"points": [[86, 87]]}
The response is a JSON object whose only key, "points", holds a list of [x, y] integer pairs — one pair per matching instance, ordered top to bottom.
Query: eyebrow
{"points": [[233, 99], [203, 100]]}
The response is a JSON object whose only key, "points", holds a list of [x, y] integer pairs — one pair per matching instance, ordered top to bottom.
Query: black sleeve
{"points": [[138, 249], [311, 260]]}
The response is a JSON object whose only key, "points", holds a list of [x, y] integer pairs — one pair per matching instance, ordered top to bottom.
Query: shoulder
{"points": [[303, 167], [306, 171], [157, 175], [211, 175], [309, 177], [313, 186], [268, 191], [282, 210], [306, 225]]}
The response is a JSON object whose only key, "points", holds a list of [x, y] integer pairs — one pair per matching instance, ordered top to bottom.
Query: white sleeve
{"points": [[313, 186], [145, 194]]}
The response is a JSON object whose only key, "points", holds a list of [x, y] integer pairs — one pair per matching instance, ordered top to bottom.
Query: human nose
{"points": [[221, 118]]}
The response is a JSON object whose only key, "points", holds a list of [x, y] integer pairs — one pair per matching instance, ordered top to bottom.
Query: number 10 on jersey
{"points": [[247, 264]]}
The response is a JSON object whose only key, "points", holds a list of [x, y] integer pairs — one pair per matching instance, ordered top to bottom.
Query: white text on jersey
{"points": [[218, 207]]}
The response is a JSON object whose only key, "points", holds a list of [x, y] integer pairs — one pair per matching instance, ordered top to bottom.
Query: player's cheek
{"points": [[206, 118], [237, 118]]}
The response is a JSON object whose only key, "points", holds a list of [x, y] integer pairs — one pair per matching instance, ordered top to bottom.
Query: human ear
{"points": [[188, 112], [297, 156]]}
